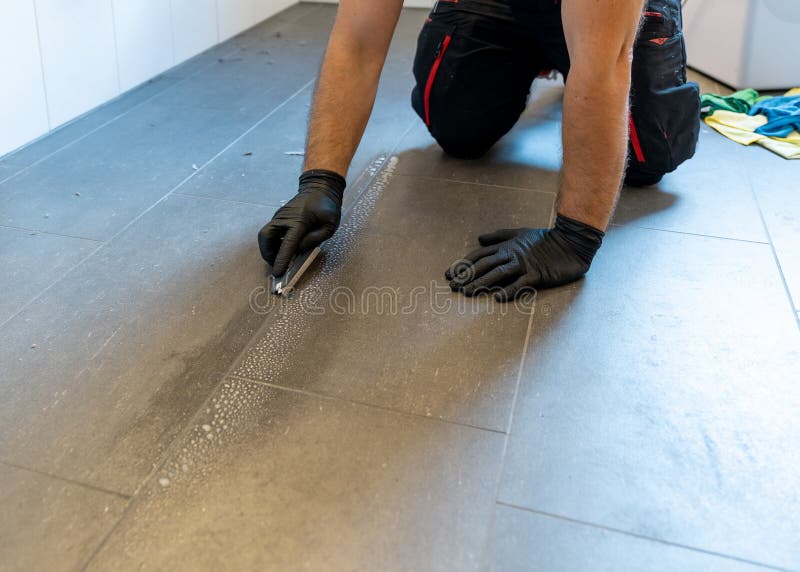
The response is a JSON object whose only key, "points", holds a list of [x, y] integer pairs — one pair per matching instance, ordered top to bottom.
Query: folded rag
{"points": [[782, 113], [743, 129]]}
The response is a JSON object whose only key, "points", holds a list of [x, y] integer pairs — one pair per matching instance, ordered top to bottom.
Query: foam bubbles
{"points": [[236, 402]]}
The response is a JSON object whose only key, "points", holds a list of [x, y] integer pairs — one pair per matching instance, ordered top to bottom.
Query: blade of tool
{"points": [[283, 285]]}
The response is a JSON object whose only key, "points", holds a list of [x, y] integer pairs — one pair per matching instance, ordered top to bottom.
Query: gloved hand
{"points": [[311, 217], [512, 261]]}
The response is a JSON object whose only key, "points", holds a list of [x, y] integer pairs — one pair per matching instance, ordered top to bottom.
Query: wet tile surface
{"points": [[31, 261], [385, 328], [103, 371], [656, 402], [679, 425], [291, 481], [49, 524], [524, 541]]}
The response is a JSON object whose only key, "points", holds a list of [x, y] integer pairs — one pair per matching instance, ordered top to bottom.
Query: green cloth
{"points": [[739, 102]]}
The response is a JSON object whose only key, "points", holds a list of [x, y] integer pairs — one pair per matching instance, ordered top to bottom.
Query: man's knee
{"points": [[457, 133], [463, 143]]}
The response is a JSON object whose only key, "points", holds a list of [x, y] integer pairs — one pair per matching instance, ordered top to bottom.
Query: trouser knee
{"points": [[462, 145]]}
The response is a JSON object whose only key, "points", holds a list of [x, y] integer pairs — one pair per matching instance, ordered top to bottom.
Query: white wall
{"points": [[407, 3], [61, 58]]}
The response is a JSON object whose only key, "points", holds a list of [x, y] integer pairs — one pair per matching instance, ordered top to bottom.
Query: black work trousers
{"points": [[476, 61]]}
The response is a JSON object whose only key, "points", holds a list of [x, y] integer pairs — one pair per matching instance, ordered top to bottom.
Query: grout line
{"points": [[171, 8], [216, 18], [116, 46], [41, 66], [165, 74], [106, 123], [473, 183], [161, 200], [251, 203], [626, 225], [35, 231], [774, 253], [330, 397], [178, 439], [504, 452], [67, 480], [642, 536]]}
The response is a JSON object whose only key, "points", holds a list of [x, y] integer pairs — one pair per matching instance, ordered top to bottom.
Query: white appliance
{"points": [[745, 43]]}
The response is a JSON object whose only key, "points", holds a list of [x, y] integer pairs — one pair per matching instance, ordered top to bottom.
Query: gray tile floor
{"points": [[157, 410]]}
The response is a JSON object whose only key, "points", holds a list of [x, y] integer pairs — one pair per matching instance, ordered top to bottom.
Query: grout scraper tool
{"points": [[283, 285]]}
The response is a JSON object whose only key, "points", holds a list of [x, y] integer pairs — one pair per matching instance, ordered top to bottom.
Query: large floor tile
{"points": [[273, 60], [91, 121], [157, 145], [263, 167], [8, 169], [774, 182], [96, 186], [710, 195], [33, 261], [385, 328], [105, 369], [659, 397], [276, 480], [49, 524], [530, 542]]}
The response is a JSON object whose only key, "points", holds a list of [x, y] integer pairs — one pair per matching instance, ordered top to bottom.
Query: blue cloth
{"points": [[783, 115]]}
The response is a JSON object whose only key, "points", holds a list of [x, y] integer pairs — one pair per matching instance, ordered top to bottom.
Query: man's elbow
{"points": [[605, 65]]}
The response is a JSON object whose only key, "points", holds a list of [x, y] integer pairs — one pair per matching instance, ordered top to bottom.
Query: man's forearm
{"points": [[600, 36], [348, 82], [595, 144]]}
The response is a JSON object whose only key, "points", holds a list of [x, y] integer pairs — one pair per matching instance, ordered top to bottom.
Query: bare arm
{"points": [[600, 36], [348, 81], [342, 105], [512, 262]]}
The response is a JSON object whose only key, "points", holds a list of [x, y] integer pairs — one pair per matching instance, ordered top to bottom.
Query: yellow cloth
{"points": [[740, 127]]}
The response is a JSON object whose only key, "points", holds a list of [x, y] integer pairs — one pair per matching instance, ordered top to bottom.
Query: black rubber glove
{"points": [[307, 220], [512, 261]]}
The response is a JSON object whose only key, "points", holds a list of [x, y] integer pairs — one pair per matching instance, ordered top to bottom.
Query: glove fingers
{"points": [[497, 236], [315, 238], [269, 241], [289, 247], [482, 252], [458, 267], [478, 269], [500, 275], [517, 288]]}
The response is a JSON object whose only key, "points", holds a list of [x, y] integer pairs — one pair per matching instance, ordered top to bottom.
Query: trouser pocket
{"points": [[661, 20], [432, 46], [665, 109], [664, 127]]}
